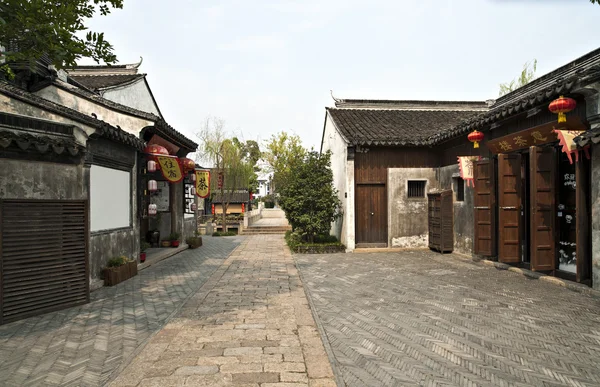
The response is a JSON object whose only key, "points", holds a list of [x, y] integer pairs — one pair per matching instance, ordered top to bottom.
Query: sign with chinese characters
{"points": [[538, 135], [465, 164], [170, 168], [203, 183], [189, 196]]}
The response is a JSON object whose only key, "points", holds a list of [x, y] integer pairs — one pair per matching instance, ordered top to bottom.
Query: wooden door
{"points": [[542, 164], [485, 208], [509, 208], [371, 214], [584, 259]]}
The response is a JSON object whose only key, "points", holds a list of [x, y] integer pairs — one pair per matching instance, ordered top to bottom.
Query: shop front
{"points": [[532, 197]]}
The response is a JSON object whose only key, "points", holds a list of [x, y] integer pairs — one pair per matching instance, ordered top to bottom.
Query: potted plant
{"points": [[174, 238], [195, 241], [143, 247], [119, 269]]}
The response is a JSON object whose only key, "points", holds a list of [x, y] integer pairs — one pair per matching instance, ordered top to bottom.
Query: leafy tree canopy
{"points": [[595, 2], [32, 28], [527, 75], [283, 150], [309, 198]]}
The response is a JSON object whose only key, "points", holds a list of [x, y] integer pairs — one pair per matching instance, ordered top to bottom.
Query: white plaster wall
{"points": [[135, 95], [127, 122], [335, 143], [110, 198], [407, 217]]}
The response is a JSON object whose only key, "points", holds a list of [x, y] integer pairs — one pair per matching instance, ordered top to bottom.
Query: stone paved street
{"points": [[419, 318], [249, 325], [83, 346]]}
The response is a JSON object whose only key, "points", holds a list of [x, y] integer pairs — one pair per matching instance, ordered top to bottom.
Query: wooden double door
{"points": [[517, 216]]}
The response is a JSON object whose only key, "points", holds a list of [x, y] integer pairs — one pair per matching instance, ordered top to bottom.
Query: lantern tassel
{"points": [[562, 117], [475, 144]]}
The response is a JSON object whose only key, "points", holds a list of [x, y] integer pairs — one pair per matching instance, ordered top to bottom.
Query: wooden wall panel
{"points": [[371, 167]]}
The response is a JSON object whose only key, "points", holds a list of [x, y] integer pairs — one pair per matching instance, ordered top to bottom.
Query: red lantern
{"points": [[561, 106], [475, 137], [155, 149], [187, 164], [151, 166], [152, 185], [243, 208], [213, 209]]}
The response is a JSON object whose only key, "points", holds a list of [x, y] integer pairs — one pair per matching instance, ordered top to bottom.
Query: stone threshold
{"points": [[384, 249], [161, 254], [574, 286]]}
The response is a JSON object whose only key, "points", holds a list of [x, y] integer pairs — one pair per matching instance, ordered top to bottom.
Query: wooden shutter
{"points": [[542, 165], [485, 208], [509, 209], [43, 256]]}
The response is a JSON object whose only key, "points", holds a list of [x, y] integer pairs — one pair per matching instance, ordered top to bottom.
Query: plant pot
{"points": [[194, 242], [165, 243], [174, 243], [142, 257], [115, 275]]}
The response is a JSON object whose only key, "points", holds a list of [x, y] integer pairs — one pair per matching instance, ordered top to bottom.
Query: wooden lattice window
{"points": [[416, 188]]}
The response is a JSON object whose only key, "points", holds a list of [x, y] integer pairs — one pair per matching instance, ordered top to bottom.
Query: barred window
{"points": [[416, 188]]}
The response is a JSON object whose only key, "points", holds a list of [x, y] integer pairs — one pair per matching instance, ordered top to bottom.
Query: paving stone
{"points": [[422, 318], [227, 322], [84, 345], [197, 370], [255, 377]]}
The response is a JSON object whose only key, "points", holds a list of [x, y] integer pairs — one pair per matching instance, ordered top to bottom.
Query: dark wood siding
{"points": [[371, 166], [485, 208], [509, 208], [543, 217], [43, 257]]}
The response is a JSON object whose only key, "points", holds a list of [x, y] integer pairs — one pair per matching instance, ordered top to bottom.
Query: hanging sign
{"points": [[565, 138], [465, 163], [170, 168], [220, 180], [203, 183], [189, 198]]}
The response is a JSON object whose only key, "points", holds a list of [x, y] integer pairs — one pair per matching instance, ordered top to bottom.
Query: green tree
{"points": [[595, 2], [29, 29], [527, 75], [283, 150], [227, 158], [309, 198]]}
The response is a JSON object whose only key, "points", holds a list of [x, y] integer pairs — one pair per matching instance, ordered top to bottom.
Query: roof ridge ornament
{"points": [[135, 65], [335, 99]]}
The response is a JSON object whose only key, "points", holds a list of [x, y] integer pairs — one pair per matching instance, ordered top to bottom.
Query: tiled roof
{"points": [[562, 81], [97, 82], [395, 127], [104, 128], [28, 133], [588, 138]]}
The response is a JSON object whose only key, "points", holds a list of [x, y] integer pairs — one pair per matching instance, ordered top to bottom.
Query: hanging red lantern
{"points": [[561, 106], [475, 137], [155, 149], [187, 164], [151, 166], [152, 185], [243, 208], [213, 209]]}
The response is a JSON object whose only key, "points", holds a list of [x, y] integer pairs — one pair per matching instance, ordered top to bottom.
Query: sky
{"points": [[268, 66]]}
